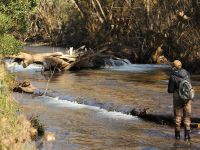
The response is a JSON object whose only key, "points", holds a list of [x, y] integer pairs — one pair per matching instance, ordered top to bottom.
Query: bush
{"points": [[14, 22], [9, 45]]}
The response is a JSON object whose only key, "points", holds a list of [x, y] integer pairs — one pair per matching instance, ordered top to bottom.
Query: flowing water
{"points": [[90, 109]]}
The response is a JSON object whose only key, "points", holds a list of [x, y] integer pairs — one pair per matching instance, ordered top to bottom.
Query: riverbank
{"points": [[15, 129]]}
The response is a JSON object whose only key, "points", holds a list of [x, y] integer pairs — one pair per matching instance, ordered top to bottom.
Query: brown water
{"points": [[107, 95]]}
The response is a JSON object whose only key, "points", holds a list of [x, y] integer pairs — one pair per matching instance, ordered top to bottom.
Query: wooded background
{"points": [[147, 28]]}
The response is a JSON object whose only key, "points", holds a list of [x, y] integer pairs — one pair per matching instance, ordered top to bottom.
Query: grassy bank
{"points": [[15, 129]]}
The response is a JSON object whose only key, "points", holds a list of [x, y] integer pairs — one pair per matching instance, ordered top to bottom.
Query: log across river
{"points": [[90, 109]]}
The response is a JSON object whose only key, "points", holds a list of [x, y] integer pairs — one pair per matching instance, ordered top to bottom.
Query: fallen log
{"points": [[91, 59], [75, 60], [57, 61], [63, 62], [54, 63], [162, 119]]}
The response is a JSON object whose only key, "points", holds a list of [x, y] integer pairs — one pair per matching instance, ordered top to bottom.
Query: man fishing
{"points": [[180, 105]]}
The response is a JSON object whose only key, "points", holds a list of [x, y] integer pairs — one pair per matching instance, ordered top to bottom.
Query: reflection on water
{"points": [[80, 126]]}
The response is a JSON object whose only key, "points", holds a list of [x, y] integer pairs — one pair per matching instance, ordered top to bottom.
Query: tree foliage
{"points": [[59, 22], [14, 23], [146, 25], [171, 27], [8, 43]]}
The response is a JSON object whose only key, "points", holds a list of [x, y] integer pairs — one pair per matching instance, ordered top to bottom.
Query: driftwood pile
{"points": [[77, 59]]}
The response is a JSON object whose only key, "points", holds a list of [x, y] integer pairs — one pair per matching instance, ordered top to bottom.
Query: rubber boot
{"points": [[177, 134], [187, 135]]}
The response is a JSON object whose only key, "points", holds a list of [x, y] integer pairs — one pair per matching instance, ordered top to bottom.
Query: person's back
{"points": [[175, 78], [180, 106]]}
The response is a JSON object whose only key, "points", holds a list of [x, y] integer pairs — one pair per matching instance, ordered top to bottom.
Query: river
{"points": [[102, 120]]}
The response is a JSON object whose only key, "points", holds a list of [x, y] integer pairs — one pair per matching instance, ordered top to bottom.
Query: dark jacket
{"points": [[175, 78]]}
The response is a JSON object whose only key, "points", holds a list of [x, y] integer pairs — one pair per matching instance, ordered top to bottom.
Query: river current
{"points": [[102, 119]]}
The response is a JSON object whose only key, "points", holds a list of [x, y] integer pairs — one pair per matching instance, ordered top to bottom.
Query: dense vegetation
{"points": [[14, 24], [148, 28], [151, 28]]}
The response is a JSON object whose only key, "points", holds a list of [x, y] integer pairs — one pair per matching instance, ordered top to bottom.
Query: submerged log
{"points": [[162, 119]]}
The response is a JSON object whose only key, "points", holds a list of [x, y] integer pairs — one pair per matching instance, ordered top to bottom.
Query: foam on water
{"points": [[14, 67], [138, 67], [64, 103], [74, 105], [117, 115]]}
